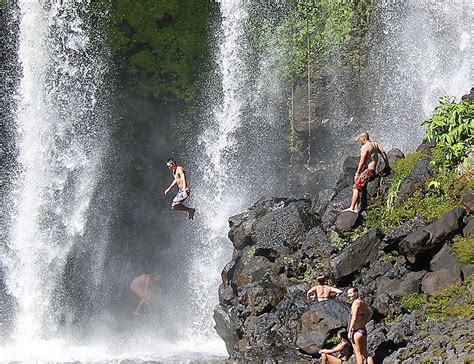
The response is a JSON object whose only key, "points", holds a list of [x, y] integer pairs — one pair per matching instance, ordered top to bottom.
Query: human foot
{"points": [[350, 210], [191, 214]]}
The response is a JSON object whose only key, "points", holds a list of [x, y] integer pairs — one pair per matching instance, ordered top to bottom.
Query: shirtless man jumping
{"points": [[366, 167], [183, 189]]}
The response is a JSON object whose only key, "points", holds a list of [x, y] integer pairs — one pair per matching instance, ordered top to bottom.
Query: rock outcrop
{"points": [[281, 244]]}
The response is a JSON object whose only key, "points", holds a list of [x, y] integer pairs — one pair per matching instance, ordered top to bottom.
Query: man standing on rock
{"points": [[366, 167], [183, 189]]}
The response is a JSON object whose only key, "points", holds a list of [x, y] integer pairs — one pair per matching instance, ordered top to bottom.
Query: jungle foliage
{"points": [[162, 48], [452, 127]]}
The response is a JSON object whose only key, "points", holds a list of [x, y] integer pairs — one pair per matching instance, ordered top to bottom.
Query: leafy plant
{"points": [[452, 127], [464, 249], [414, 302]]}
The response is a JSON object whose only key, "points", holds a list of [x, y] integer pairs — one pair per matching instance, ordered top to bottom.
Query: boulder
{"points": [[394, 154], [349, 167], [420, 173], [324, 198], [468, 200], [340, 202], [346, 221], [282, 226], [468, 230], [392, 239], [428, 240], [357, 255], [445, 259], [435, 282], [408, 284], [260, 297], [386, 305], [317, 323], [225, 328], [402, 329]]}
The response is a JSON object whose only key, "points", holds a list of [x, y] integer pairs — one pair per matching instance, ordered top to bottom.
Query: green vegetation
{"points": [[318, 27], [161, 47], [452, 127], [402, 168], [341, 240], [464, 249], [414, 302], [441, 305]]}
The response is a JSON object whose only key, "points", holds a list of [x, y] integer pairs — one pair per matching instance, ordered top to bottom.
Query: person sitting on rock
{"points": [[366, 168], [321, 291], [361, 314], [341, 352]]}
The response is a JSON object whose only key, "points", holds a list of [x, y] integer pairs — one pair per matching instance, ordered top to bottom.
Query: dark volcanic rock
{"points": [[324, 198], [468, 200], [339, 203], [346, 221], [468, 230], [392, 239], [429, 239], [357, 255], [445, 259], [437, 281], [410, 283], [386, 305], [322, 318], [225, 328]]}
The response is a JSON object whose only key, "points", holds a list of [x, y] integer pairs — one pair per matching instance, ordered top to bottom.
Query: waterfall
{"points": [[423, 50], [60, 139], [218, 142], [239, 152]]}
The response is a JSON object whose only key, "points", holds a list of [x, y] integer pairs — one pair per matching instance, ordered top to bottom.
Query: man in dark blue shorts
{"points": [[183, 189]]}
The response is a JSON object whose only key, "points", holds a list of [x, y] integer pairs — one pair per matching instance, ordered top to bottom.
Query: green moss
{"points": [[314, 29], [161, 47], [342, 240], [464, 249], [388, 258], [414, 302]]}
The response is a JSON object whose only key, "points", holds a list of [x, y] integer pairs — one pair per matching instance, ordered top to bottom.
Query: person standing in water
{"points": [[366, 168], [183, 188], [142, 287], [321, 291], [360, 316]]}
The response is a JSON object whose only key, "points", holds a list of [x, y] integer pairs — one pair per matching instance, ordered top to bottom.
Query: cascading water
{"points": [[423, 50], [60, 140], [218, 148], [239, 154]]}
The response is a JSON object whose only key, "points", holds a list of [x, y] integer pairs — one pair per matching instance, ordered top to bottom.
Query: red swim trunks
{"points": [[362, 179]]}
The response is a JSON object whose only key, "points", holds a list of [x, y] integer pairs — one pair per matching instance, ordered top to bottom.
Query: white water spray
{"points": [[60, 140], [216, 200]]}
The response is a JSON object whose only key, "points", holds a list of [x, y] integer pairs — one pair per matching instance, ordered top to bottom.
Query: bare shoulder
{"points": [[180, 169]]}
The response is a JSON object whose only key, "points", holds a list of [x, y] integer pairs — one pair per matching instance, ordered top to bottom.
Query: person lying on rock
{"points": [[366, 168], [183, 188], [142, 287], [321, 291], [361, 314], [341, 352]]}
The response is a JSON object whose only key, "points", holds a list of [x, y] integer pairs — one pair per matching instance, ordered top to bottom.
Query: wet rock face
{"points": [[282, 244]]}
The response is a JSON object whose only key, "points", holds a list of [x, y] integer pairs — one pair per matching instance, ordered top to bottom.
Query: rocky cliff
{"points": [[417, 273]]}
